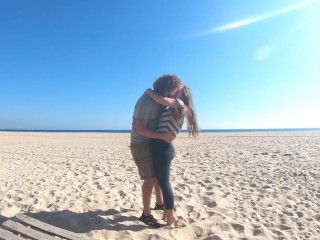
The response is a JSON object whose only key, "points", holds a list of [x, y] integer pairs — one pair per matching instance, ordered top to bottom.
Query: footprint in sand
{"points": [[287, 155], [9, 196], [17, 199], [205, 200], [211, 203], [187, 208], [288, 213], [195, 214], [317, 217], [222, 227], [238, 227], [283, 227], [200, 231], [258, 232], [278, 233]]}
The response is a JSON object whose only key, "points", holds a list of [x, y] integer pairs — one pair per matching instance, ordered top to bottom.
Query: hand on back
{"points": [[167, 137]]}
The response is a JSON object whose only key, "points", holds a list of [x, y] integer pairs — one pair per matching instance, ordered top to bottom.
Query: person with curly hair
{"points": [[145, 118]]}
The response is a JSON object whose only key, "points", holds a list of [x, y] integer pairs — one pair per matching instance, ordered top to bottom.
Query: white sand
{"points": [[227, 185]]}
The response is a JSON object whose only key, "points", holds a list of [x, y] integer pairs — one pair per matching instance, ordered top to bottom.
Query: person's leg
{"points": [[142, 156], [162, 156], [163, 176], [147, 188], [159, 196], [168, 196], [168, 215], [146, 216], [170, 218]]}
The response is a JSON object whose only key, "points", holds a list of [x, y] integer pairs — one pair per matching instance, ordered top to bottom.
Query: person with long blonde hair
{"points": [[179, 108]]}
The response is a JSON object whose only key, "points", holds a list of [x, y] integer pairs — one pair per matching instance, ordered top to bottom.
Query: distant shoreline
{"points": [[203, 131]]}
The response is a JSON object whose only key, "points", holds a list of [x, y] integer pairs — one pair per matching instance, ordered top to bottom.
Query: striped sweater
{"points": [[168, 122]]}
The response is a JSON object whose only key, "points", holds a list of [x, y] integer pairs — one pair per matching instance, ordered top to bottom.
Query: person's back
{"points": [[148, 111], [171, 120]]}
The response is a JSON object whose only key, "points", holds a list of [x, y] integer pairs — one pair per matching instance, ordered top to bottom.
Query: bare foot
{"points": [[172, 222]]}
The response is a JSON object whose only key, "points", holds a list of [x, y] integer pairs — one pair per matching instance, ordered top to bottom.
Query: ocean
{"points": [[203, 131]]}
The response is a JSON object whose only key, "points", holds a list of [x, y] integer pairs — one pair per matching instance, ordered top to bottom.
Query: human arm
{"points": [[165, 101], [142, 129]]}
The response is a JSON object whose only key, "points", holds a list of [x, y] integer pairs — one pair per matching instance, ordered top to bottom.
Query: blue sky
{"points": [[75, 64]]}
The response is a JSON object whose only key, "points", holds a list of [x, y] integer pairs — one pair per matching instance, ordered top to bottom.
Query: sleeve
{"points": [[181, 104], [141, 111]]}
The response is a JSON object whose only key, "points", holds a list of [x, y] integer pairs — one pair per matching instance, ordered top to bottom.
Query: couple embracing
{"points": [[158, 118]]}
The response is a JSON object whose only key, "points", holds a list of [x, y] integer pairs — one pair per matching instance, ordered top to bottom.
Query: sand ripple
{"points": [[227, 186]]}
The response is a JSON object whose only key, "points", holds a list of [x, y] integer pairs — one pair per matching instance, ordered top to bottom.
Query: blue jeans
{"points": [[162, 154]]}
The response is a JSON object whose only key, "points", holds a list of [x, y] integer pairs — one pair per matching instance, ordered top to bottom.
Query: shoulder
{"points": [[145, 100], [146, 105]]}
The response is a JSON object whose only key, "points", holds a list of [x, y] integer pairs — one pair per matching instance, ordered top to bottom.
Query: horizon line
{"points": [[129, 130]]}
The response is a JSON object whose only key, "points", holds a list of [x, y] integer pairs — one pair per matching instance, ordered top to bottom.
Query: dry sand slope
{"points": [[227, 185]]}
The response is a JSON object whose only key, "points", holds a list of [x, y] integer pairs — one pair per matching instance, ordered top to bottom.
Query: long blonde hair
{"points": [[190, 112]]}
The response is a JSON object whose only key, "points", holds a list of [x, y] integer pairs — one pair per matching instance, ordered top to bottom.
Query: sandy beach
{"points": [[226, 185]]}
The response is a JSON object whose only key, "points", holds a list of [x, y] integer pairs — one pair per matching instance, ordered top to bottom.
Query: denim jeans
{"points": [[162, 154]]}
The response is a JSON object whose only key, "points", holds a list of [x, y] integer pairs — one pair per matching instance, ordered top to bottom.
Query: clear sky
{"points": [[82, 64]]}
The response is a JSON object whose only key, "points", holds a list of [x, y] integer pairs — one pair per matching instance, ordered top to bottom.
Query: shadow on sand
{"points": [[3, 219], [111, 220]]}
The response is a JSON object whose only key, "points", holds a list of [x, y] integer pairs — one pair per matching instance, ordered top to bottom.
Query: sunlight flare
{"points": [[246, 22]]}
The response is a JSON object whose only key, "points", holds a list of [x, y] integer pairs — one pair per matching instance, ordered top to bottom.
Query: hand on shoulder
{"points": [[148, 91]]}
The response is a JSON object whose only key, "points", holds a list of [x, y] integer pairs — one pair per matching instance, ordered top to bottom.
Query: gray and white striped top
{"points": [[168, 122]]}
